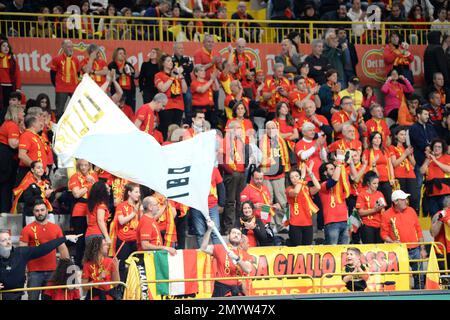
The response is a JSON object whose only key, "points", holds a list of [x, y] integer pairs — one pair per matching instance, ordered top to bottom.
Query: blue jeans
{"points": [[187, 99], [199, 224], [336, 233], [37, 279], [419, 279]]}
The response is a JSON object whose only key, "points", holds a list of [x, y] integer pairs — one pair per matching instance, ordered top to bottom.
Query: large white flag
{"points": [[93, 128]]}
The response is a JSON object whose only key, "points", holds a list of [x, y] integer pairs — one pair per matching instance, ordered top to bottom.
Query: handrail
{"points": [[287, 22], [435, 244], [384, 274], [89, 285]]}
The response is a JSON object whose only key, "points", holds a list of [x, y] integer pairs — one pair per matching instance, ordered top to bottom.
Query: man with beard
{"points": [[33, 235], [13, 261], [233, 262]]}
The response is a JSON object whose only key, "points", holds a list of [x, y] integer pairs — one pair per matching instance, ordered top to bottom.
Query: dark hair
{"points": [[411, 12], [161, 61], [330, 72], [297, 78], [364, 90], [432, 94], [15, 95], [413, 96], [41, 97], [342, 100], [234, 110], [419, 110], [196, 112], [289, 119], [394, 134], [372, 136], [442, 142], [33, 164], [293, 170], [323, 170], [369, 176], [130, 186], [98, 194], [39, 202], [252, 205], [93, 248], [61, 274]]}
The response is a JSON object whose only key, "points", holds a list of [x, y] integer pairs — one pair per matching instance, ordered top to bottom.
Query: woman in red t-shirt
{"points": [[9, 73], [170, 81], [202, 93], [240, 114], [286, 124], [9, 141], [379, 160], [403, 161], [436, 168], [370, 204], [301, 205], [98, 212], [126, 221], [252, 226], [97, 267], [60, 277]]}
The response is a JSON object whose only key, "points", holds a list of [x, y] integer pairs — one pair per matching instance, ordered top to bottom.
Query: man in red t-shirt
{"points": [[94, 65], [245, 71], [64, 74], [276, 90], [300, 95], [347, 115], [145, 116], [379, 124], [348, 141], [31, 147], [309, 149], [400, 224], [147, 233], [35, 234], [231, 262]]}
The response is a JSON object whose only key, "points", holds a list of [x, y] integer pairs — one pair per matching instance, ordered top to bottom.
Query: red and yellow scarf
{"points": [[268, 156], [28, 180]]}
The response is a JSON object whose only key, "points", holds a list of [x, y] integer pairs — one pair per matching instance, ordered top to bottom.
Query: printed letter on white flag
{"points": [[93, 128]]}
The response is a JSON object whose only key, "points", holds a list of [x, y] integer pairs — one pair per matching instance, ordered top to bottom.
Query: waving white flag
{"points": [[93, 128]]}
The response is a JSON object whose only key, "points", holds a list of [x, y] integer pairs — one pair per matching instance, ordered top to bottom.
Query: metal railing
{"points": [[183, 29], [384, 274], [65, 287]]}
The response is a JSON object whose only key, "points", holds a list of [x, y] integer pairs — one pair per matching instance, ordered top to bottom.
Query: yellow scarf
{"points": [[268, 155]]}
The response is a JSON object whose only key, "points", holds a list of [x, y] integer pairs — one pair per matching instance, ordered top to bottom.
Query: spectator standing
{"points": [[397, 56], [289, 58], [434, 59], [187, 63], [318, 63], [94, 65], [147, 75], [10, 79], [395, 88], [98, 212], [252, 226], [33, 235]]}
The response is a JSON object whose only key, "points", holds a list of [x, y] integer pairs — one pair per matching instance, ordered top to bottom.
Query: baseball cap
{"points": [[354, 80], [399, 195]]}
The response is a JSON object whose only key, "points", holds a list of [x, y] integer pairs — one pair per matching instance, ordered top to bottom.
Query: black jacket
{"points": [[434, 59], [187, 64], [318, 75], [147, 78], [420, 138], [29, 196], [260, 232], [12, 270]]}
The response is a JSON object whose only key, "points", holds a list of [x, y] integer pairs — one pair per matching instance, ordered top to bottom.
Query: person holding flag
{"points": [[232, 261]]}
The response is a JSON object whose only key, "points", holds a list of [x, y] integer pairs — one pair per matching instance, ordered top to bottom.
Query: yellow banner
{"points": [[313, 261]]}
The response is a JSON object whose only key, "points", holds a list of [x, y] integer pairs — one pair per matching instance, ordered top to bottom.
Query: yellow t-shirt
{"points": [[357, 97]]}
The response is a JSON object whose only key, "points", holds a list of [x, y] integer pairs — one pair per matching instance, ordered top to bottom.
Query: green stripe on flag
{"points": [[161, 271]]}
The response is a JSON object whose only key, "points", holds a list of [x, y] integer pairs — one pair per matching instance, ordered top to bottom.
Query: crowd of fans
{"points": [[119, 26], [308, 149]]}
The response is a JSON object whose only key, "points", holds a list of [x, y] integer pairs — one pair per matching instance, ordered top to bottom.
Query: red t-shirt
{"points": [[202, 56], [97, 65], [246, 65], [67, 69], [270, 87], [174, 93], [294, 97], [204, 99], [126, 109], [147, 116], [340, 118], [300, 121], [380, 126], [284, 127], [9, 130], [303, 145], [345, 145], [35, 147], [382, 163], [405, 169], [434, 172], [215, 180], [80, 181], [356, 188], [257, 195], [368, 201], [332, 210], [299, 215], [406, 222], [93, 228], [148, 230], [126, 232], [36, 234], [226, 267], [102, 272], [60, 294]]}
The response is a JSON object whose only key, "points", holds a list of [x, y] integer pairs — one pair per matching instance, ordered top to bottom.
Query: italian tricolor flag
{"points": [[181, 266]]}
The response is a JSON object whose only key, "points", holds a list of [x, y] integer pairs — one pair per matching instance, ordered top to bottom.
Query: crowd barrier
{"points": [[369, 32]]}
